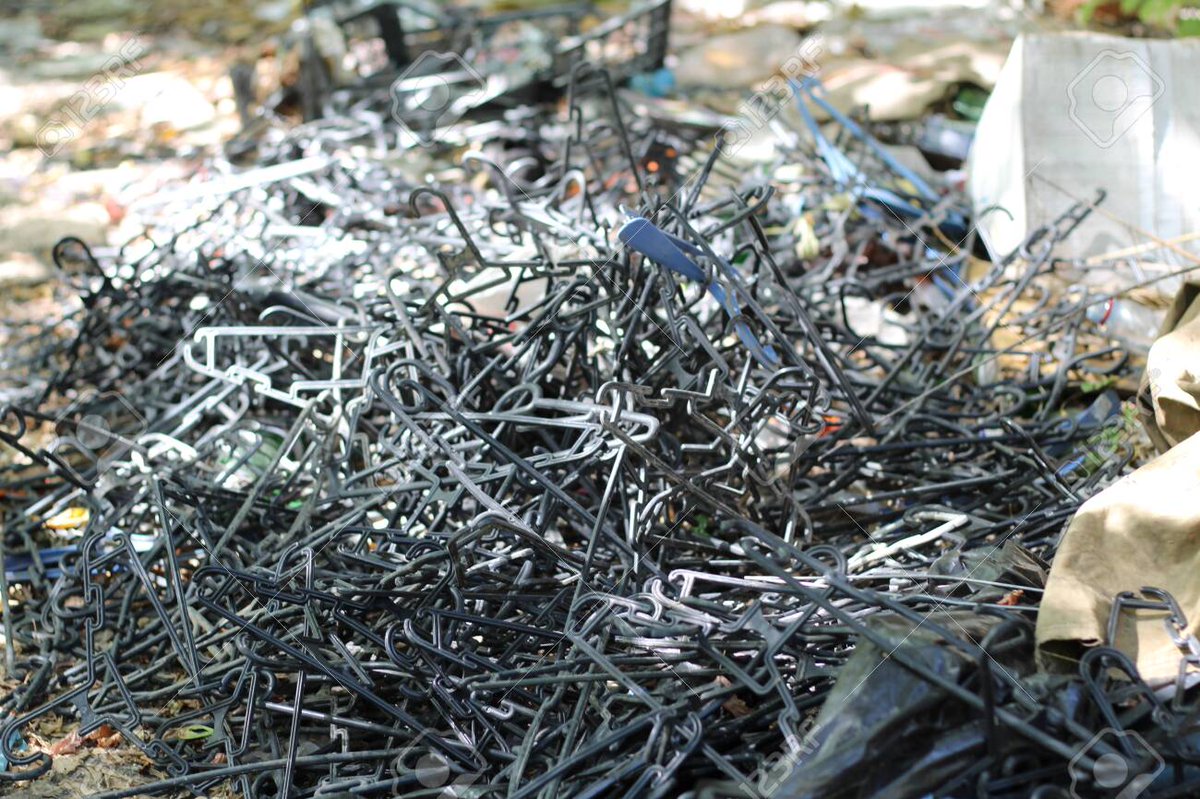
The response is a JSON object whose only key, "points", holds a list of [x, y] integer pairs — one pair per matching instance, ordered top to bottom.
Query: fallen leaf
{"points": [[1012, 597], [736, 707], [101, 732], [106, 737], [111, 742], [68, 745]]}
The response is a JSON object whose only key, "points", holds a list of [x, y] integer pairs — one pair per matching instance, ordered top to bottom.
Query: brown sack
{"points": [[1172, 379], [1142, 531]]}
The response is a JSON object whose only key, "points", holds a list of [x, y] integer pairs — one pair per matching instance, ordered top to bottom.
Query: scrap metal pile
{"points": [[593, 462]]}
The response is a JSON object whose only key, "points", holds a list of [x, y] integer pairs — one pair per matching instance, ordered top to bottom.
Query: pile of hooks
{"points": [[579, 457]]}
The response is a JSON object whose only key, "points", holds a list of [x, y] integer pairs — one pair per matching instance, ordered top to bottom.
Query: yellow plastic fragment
{"points": [[69, 519]]}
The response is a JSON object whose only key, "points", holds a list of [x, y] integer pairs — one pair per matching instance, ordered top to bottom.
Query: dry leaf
{"points": [[1012, 597], [736, 707], [106, 737], [68, 745]]}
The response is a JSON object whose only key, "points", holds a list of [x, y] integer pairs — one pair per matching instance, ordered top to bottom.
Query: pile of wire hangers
{"points": [[582, 463]]}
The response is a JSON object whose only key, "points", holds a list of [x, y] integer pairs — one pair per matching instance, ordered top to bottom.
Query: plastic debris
{"points": [[559, 455]]}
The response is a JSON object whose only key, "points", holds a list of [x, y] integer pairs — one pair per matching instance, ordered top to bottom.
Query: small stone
{"points": [[92, 10], [275, 10], [800, 14], [20, 34], [738, 60], [68, 67], [164, 99], [23, 128], [36, 231], [22, 269]]}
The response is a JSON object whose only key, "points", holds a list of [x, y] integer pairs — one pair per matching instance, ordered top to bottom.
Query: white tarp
{"points": [[1072, 113]]}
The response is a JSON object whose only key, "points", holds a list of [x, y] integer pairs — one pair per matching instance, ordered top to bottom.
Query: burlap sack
{"points": [[1171, 386], [1145, 529], [1142, 531]]}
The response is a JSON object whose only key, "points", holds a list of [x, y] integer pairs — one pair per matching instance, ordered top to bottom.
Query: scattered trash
{"points": [[512, 55], [739, 59], [658, 83], [945, 142], [572, 454], [68, 519], [873, 736], [15, 742]]}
